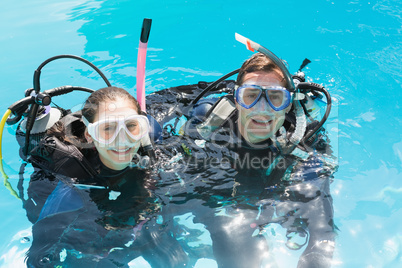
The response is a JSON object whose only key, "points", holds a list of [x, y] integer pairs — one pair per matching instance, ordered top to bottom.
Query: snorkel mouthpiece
{"points": [[252, 46]]}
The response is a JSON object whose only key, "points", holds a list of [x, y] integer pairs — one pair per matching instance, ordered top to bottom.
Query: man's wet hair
{"points": [[258, 63]]}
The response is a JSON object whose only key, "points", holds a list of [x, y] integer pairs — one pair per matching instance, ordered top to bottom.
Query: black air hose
{"points": [[306, 87]]}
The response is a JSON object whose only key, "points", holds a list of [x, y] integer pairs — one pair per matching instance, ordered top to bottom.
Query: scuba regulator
{"points": [[311, 92], [35, 108]]}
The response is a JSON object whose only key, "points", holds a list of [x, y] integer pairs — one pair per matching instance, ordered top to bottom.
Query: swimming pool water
{"points": [[355, 48]]}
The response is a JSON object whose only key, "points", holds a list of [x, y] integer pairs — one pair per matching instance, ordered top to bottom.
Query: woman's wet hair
{"points": [[258, 63], [107, 94]]}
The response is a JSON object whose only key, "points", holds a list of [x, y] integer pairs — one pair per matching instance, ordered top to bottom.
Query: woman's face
{"points": [[118, 154]]}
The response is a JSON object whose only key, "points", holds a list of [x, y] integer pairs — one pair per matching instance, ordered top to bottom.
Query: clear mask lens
{"points": [[278, 97], [106, 131]]}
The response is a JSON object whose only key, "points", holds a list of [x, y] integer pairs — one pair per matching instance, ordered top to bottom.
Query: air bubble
{"points": [[25, 240], [46, 260]]}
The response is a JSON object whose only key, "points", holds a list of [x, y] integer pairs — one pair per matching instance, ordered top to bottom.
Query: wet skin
{"points": [[261, 122], [118, 154]]}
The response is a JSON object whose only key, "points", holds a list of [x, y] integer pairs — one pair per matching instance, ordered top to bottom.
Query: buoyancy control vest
{"points": [[60, 155]]}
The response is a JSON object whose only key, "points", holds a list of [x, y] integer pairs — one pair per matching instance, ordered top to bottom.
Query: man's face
{"points": [[261, 122]]}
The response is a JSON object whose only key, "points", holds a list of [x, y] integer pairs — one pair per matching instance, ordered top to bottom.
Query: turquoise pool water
{"points": [[355, 48]]}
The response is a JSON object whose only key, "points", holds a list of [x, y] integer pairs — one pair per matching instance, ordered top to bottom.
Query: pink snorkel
{"points": [[142, 53], [155, 132]]}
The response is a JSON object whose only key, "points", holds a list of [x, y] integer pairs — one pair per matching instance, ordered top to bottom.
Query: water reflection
{"points": [[355, 43], [252, 219], [90, 225]]}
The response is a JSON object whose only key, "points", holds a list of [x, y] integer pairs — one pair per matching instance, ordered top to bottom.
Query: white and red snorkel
{"points": [[252, 46]]}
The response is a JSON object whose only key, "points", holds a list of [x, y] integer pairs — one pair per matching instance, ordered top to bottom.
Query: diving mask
{"points": [[277, 97], [106, 130]]}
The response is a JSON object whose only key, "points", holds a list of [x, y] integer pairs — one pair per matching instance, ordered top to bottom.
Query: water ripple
{"points": [[389, 7], [388, 59]]}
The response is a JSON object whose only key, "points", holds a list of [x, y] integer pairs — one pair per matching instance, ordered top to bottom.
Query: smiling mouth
{"points": [[261, 121], [121, 151]]}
